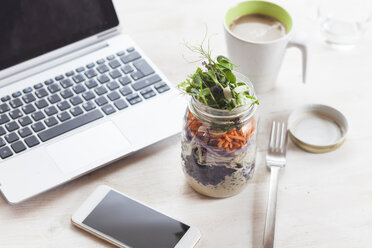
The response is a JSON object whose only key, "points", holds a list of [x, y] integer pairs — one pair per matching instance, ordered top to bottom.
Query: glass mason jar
{"points": [[219, 147]]}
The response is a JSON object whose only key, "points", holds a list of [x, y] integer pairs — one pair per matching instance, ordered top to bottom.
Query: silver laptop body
{"points": [[105, 137]]}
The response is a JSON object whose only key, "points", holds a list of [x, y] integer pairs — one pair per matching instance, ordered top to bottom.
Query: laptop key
{"points": [[130, 49], [120, 53], [111, 57], [130, 57], [100, 61], [114, 64], [90, 65], [143, 66], [102, 68], [80, 69], [127, 69], [90, 73], [69, 74], [115, 74], [137, 75], [59, 77], [78, 78], [103, 78], [125, 80], [49, 81], [146, 82], [65, 83], [91, 83], [113, 85], [160, 85], [38, 86], [53, 88], [79, 88], [163, 89], [27, 90], [100, 90], [126, 91], [41, 93], [67, 93], [148, 93], [16, 94], [88, 95], [113, 96], [5, 98], [28, 98], [54, 98], [134, 98], [76, 100], [101, 100], [15, 103], [42, 103], [120, 104], [63, 105], [89, 106], [4, 108], [29, 108], [108, 109], [50, 110], [76, 111], [16, 113], [38, 116], [64, 116], [4, 119], [24, 121], [51, 121], [70, 125], [11, 126], [38, 126], [2, 131], [24, 132], [11, 137], [32, 141], [2, 142], [18, 146], [5, 152]]}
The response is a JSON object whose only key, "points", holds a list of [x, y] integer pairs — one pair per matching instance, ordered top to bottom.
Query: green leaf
{"points": [[225, 62], [230, 75]]}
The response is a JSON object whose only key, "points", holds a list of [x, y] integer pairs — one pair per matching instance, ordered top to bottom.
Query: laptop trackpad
{"points": [[89, 148]]}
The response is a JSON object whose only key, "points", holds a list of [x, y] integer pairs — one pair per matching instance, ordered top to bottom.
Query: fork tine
{"points": [[278, 134], [272, 135], [282, 137], [285, 139]]}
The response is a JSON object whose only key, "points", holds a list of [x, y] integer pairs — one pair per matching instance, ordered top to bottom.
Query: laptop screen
{"points": [[29, 28]]}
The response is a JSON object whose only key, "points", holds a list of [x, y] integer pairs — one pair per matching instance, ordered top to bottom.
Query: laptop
{"points": [[76, 94]]}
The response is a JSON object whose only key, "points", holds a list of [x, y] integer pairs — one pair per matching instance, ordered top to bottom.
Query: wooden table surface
{"points": [[324, 199]]}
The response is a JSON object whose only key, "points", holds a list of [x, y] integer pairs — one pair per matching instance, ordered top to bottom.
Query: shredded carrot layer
{"points": [[231, 140]]}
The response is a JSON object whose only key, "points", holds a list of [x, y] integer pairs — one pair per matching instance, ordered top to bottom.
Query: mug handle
{"points": [[301, 42]]}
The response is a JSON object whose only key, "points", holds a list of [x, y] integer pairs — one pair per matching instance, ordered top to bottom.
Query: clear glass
{"points": [[343, 23], [219, 147]]}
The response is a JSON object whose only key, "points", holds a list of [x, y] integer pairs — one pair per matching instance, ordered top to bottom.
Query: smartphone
{"points": [[126, 222]]}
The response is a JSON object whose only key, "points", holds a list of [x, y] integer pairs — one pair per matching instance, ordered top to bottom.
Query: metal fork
{"points": [[275, 160]]}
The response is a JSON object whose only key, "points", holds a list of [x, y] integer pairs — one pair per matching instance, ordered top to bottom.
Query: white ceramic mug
{"points": [[261, 61]]}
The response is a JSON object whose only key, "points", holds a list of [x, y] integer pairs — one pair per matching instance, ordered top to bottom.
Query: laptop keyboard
{"points": [[46, 110]]}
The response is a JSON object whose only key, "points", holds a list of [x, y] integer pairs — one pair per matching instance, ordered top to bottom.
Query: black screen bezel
{"points": [[111, 21]]}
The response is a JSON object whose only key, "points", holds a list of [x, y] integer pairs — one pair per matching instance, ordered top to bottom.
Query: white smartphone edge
{"points": [[190, 238]]}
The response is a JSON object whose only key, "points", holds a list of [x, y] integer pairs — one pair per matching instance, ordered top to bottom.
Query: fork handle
{"points": [[269, 231]]}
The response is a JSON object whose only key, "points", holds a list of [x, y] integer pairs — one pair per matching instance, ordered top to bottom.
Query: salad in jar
{"points": [[219, 133]]}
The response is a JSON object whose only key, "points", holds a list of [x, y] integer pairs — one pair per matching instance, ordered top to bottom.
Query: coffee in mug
{"points": [[257, 27]]}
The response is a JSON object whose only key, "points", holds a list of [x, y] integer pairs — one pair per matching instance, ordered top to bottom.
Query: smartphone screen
{"points": [[134, 224]]}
